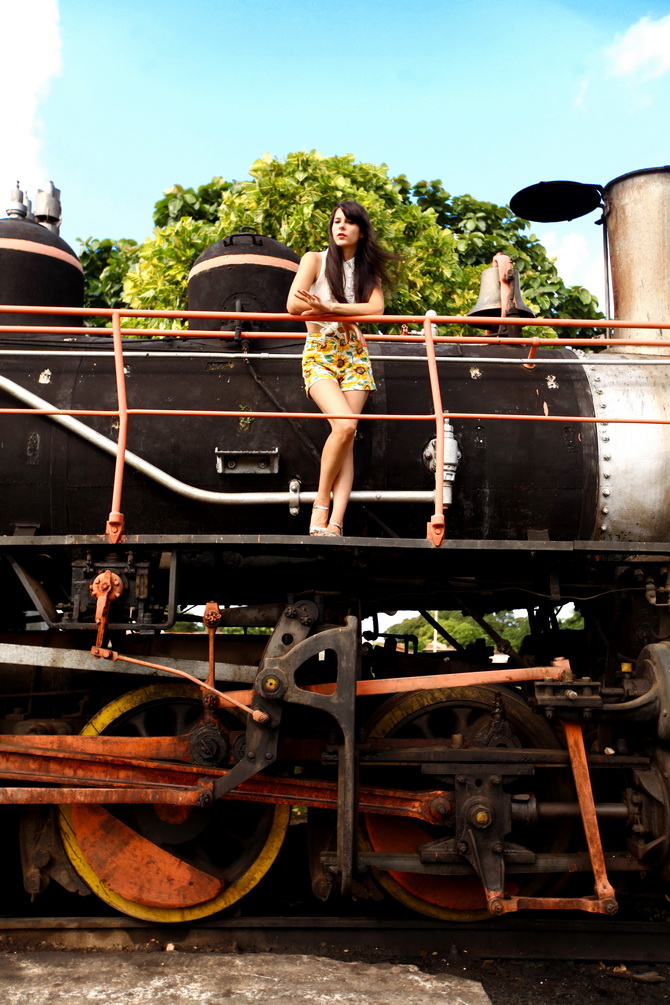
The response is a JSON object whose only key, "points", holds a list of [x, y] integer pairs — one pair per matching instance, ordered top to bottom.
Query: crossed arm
{"points": [[301, 301]]}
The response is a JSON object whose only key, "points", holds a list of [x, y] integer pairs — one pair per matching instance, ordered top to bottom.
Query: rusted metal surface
{"points": [[115, 520], [435, 529], [105, 588], [211, 620], [385, 685], [159, 748], [580, 769], [64, 796], [432, 807], [135, 867], [604, 900]]}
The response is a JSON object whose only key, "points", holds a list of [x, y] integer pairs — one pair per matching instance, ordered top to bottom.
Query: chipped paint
{"points": [[475, 372], [45, 377], [552, 382]]}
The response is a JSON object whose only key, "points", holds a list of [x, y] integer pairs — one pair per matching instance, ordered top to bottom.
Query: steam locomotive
{"points": [[160, 769]]}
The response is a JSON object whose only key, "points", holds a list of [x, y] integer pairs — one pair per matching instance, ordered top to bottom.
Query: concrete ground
{"points": [[173, 978]]}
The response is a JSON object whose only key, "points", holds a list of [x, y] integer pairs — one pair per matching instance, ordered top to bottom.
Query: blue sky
{"points": [[117, 101]]}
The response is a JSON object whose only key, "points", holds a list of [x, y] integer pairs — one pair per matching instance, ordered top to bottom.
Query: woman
{"points": [[346, 280]]}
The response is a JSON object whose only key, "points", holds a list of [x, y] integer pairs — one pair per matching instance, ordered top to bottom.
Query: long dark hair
{"points": [[371, 261]]}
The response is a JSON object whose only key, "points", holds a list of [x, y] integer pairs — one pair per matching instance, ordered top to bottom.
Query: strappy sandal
{"points": [[334, 523], [315, 529]]}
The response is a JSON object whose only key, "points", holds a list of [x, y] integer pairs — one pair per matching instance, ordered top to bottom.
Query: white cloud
{"points": [[643, 51], [31, 58], [579, 258]]}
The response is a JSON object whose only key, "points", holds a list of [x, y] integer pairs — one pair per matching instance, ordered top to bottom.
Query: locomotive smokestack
{"points": [[637, 213]]}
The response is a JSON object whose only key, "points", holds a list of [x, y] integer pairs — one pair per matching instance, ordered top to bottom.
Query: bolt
{"points": [[291, 612], [305, 620], [571, 695], [210, 700], [251, 755], [269, 756], [460, 779], [495, 779], [204, 799], [440, 807], [462, 848], [497, 848], [496, 906], [610, 906]]}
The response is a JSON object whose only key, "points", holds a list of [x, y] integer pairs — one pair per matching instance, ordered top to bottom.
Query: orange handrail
{"points": [[115, 523], [435, 528]]}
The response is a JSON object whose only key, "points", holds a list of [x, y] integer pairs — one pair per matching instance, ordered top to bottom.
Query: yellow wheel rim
{"points": [[275, 827]]}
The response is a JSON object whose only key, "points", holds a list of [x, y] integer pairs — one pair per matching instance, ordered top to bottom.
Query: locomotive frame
{"points": [[459, 790]]}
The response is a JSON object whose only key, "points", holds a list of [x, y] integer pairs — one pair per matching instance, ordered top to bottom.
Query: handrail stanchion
{"points": [[115, 521], [435, 529]]}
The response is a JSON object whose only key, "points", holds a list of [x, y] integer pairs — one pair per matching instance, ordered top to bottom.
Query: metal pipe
{"points": [[471, 320], [191, 491], [115, 521], [436, 525]]}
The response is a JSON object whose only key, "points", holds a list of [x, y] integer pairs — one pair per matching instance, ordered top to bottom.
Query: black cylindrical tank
{"points": [[38, 268], [243, 272], [515, 480]]}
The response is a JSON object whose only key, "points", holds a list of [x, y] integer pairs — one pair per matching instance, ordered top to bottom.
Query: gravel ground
{"points": [[530, 982]]}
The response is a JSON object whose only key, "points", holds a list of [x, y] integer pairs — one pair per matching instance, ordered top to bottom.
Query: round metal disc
{"points": [[551, 201]]}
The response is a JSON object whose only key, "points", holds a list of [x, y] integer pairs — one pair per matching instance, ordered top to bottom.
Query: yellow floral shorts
{"points": [[339, 357]]}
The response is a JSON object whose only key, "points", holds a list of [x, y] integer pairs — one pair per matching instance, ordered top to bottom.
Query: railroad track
{"points": [[508, 938]]}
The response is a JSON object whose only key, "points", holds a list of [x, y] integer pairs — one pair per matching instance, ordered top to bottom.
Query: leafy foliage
{"points": [[178, 202], [444, 241], [106, 264], [509, 624]]}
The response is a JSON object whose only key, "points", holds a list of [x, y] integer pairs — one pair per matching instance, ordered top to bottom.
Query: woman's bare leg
{"points": [[337, 458], [345, 478]]}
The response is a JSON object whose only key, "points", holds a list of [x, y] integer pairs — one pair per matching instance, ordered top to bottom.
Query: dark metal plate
{"points": [[551, 201]]}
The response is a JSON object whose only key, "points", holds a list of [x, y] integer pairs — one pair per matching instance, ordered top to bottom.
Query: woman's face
{"points": [[345, 233]]}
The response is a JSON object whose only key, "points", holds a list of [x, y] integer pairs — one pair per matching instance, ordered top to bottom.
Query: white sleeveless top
{"points": [[323, 291]]}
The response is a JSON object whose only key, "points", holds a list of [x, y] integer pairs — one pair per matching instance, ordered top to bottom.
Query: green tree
{"points": [[200, 204], [445, 241], [105, 265], [511, 625], [463, 629]]}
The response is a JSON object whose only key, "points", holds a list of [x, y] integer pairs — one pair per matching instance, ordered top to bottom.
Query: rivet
{"points": [[603, 405], [607, 457], [606, 474], [606, 492], [605, 510], [603, 526]]}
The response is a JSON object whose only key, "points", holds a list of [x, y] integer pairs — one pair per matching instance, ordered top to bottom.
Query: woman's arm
{"points": [[305, 277], [312, 305]]}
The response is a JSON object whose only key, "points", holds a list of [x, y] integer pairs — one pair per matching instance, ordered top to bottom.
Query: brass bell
{"points": [[500, 292]]}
